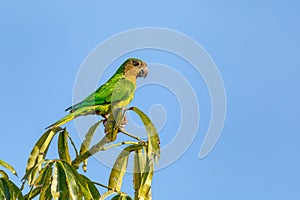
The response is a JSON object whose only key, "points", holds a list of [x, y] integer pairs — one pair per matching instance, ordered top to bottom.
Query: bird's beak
{"points": [[143, 71]]}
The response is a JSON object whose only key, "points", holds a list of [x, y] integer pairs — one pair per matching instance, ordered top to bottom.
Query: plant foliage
{"points": [[60, 178]]}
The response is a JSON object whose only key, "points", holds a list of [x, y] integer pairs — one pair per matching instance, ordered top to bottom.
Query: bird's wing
{"points": [[114, 90]]}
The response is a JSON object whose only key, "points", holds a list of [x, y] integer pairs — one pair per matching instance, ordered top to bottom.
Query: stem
{"points": [[130, 135], [73, 144], [119, 144], [100, 147], [94, 149], [101, 185], [104, 186]]}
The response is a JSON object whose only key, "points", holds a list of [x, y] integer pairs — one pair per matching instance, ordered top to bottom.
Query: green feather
{"points": [[118, 91]]}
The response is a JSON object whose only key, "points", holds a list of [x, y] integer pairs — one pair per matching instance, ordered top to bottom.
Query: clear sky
{"points": [[255, 45]]}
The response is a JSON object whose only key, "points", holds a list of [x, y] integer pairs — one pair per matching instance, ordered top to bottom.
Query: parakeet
{"points": [[117, 92]]}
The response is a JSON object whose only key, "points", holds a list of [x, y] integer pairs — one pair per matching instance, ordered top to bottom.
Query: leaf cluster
{"points": [[61, 178]]}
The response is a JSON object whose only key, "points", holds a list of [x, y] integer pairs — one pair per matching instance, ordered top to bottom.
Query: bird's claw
{"points": [[124, 120], [104, 122], [122, 128]]}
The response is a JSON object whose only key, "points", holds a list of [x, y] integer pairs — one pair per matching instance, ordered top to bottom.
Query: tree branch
{"points": [[130, 135], [94, 149]]}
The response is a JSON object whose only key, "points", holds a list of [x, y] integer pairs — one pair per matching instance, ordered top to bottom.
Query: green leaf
{"points": [[113, 123], [153, 138], [87, 141], [73, 145], [63, 148], [40, 149], [8, 166], [119, 168], [138, 169], [32, 173], [4, 174], [44, 176], [40, 178], [70, 179], [44, 181], [81, 182], [68, 184], [59, 185], [92, 187], [4, 189], [8, 190], [55, 190], [15, 191], [143, 192], [33, 193], [46, 193], [107, 194], [149, 195], [117, 197], [121, 197], [127, 198]]}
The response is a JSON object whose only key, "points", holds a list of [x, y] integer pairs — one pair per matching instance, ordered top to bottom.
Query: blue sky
{"points": [[255, 45]]}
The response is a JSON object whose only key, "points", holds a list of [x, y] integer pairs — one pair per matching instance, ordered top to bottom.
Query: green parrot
{"points": [[117, 92]]}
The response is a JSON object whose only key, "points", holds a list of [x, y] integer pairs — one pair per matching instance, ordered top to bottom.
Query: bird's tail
{"points": [[62, 121]]}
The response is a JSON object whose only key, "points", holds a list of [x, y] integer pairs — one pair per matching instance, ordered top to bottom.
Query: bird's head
{"points": [[134, 67]]}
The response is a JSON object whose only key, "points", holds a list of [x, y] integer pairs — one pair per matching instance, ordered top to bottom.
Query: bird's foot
{"points": [[124, 120], [104, 122], [122, 128]]}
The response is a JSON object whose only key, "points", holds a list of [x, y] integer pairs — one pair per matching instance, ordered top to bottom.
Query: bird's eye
{"points": [[135, 63]]}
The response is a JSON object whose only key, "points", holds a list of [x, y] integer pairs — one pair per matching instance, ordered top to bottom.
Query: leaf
{"points": [[114, 121], [153, 138], [87, 141], [73, 145], [63, 148], [40, 149], [139, 163], [8, 166], [119, 168], [4, 174], [31, 174], [44, 176], [42, 181], [81, 182], [67, 183], [42, 184], [59, 185], [72, 187], [92, 188], [2, 189], [5, 189], [8, 190], [55, 190], [15, 191], [143, 192], [33, 193], [46, 193], [106, 194], [149, 195], [117, 197], [121, 197], [127, 198]]}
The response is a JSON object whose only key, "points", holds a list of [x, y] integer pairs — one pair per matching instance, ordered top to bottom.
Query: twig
{"points": [[130, 135], [119, 144], [94, 149], [101, 185]]}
